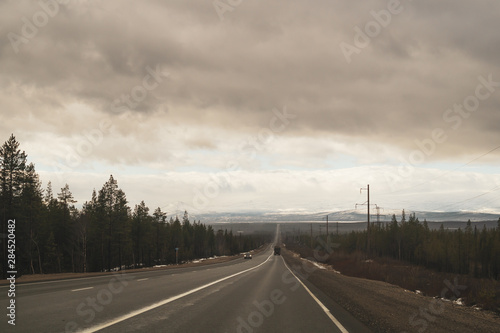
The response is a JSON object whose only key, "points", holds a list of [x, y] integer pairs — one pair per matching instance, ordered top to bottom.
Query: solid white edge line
{"points": [[83, 289], [165, 301], [325, 309]]}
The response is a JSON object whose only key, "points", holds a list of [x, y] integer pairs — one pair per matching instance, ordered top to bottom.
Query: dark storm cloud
{"points": [[229, 74]]}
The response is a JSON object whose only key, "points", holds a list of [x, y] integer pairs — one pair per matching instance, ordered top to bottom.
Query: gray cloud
{"points": [[228, 75]]}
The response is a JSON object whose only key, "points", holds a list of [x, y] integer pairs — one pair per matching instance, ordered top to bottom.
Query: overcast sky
{"points": [[235, 105]]}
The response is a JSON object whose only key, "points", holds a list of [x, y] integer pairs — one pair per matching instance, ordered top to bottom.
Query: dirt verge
{"points": [[384, 307]]}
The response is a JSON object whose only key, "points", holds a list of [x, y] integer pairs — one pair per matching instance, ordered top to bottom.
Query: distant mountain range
{"points": [[344, 216]]}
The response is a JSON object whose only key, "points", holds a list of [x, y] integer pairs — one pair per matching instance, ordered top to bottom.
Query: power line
{"points": [[445, 173], [367, 189], [472, 198]]}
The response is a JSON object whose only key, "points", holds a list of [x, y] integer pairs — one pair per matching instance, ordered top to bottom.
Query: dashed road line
{"points": [[83, 289], [166, 301]]}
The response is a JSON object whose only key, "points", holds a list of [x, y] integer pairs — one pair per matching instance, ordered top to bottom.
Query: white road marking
{"points": [[82, 278], [70, 279], [143, 279], [82, 289], [166, 301], [325, 309]]}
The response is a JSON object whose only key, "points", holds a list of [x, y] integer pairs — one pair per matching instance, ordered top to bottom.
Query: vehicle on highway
{"points": [[277, 250], [247, 256]]}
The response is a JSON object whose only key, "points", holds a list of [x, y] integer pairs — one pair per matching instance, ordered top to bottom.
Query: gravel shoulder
{"points": [[388, 308]]}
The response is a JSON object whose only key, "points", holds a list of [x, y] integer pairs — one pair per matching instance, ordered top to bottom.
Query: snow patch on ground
{"points": [[215, 257], [317, 264], [320, 266]]}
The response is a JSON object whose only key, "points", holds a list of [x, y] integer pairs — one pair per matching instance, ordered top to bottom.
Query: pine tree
{"points": [[12, 169], [49, 195], [32, 203], [113, 212], [121, 215], [160, 219], [65, 228], [140, 228], [91, 235], [187, 235], [177, 241], [469, 247], [51, 254]]}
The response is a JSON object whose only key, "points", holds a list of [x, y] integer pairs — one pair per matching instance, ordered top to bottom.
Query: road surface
{"points": [[245, 296]]}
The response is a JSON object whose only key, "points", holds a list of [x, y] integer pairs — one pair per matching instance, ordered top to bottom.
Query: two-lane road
{"points": [[257, 295]]}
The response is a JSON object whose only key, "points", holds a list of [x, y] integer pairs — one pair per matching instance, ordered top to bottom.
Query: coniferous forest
{"points": [[53, 236], [470, 251], [407, 253]]}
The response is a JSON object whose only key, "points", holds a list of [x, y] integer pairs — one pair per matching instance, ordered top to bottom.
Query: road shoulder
{"points": [[387, 308]]}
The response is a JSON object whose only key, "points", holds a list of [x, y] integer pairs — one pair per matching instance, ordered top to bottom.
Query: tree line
{"points": [[52, 235], [470, 251]]}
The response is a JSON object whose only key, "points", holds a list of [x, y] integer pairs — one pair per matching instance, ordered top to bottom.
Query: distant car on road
{"points": [[277, 250], [247, 256]]}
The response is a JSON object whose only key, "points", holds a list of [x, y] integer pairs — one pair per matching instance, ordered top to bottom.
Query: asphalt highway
{"points": [[245, 296]]}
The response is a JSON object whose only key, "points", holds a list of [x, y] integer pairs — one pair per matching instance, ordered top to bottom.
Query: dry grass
{"points": [[484, 293]]}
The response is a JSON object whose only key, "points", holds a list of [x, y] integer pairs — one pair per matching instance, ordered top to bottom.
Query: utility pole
{"points": [[367, 189], [378, 214], [368, 218], [326, 229], [311, 235]]}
